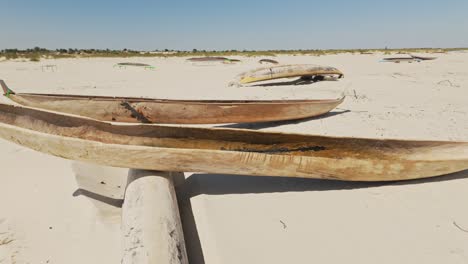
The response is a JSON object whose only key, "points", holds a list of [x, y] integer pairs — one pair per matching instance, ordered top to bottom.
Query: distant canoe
{"points": [[423, 58], [207, 59], [400, 59], [213, 60], [231, 61], [267, 61], [135, 64], [286, 71], [142, 110], [229, 151]]}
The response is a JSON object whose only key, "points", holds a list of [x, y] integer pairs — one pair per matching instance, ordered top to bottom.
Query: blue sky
{"points": [[241, 24]]}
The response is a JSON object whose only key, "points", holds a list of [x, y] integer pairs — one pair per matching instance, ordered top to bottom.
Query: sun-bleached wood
{"points": [[285, 71], [140, 110], [230, 151], [151, 225]]}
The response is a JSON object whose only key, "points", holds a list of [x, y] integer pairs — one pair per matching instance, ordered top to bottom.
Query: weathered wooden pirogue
{"points": [[423, 57], [207, 59], [401, 59], [223, 60], [268, 61], [136, 64], [286, 71], [141, 110], [230, 151]]}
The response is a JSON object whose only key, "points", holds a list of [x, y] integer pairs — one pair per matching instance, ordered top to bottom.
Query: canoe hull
{"points": [[133, 110], [230, 151], [255, 164]]}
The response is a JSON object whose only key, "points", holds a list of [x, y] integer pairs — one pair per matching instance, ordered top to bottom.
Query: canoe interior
{"points": [[48, 97], [224, 139]]}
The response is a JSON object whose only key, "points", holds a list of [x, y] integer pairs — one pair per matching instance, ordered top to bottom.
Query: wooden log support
{"points": [[151, 225]]}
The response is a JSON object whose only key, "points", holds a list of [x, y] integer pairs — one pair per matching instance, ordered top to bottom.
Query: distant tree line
{"points": [[36, 53]]}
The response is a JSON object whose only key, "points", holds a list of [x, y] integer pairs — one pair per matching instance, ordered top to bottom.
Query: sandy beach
{"points": [[49, 215]]}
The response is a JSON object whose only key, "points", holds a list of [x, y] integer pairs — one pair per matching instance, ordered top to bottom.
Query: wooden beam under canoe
{"points": [[151, 225]]}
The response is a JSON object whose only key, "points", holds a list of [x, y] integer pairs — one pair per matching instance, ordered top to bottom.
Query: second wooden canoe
{"points": [[141, 110], [230, 151]]}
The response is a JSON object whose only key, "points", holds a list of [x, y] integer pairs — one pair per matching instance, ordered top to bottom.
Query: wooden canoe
{"points": [[423, 58], [207, 59], [400, 59], [231, 61], [267, 61], [136, 64], [286, 71], [140, 110], [229, 151]]}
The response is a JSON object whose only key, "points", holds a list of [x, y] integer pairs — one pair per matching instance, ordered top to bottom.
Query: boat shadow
{"points": [[262, 125], [220, 184]]}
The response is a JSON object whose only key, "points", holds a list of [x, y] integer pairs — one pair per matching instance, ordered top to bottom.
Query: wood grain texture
{"points": [[286, 71], [140, 110], [229, 151]]}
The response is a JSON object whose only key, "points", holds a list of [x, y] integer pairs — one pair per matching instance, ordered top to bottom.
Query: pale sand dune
{"points": [[235, 219]]}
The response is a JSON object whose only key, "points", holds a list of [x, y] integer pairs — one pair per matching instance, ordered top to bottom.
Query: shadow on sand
{"points": [[261, 125], [220, 184], [98, 197]]}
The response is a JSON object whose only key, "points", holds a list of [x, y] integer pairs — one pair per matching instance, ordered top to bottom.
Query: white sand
{"points": [[239, 219]]}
